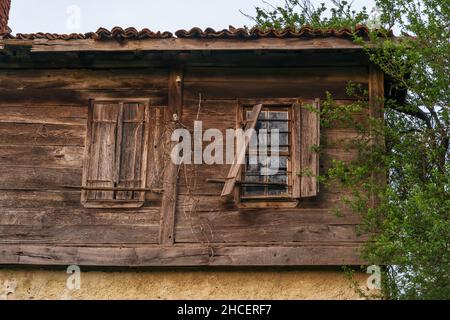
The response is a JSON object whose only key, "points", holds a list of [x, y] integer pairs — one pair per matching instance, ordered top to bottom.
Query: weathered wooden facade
{"points": [[68, 195]]}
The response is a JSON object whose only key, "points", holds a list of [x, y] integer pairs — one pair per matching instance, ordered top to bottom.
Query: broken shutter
{"points": [[305, 152], [116, 154], [232, 176]]}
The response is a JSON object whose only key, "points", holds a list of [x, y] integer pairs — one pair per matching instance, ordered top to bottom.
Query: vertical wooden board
{"points": [[376, 101], [102, 150], [131, 150], [296, 150], [157, 152], [309, 155], [169, 200]]}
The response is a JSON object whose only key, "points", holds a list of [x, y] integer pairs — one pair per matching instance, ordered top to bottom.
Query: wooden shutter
{"points": [[306, 133], [131, 138], [116, 154], [100, 168], [230, 181]]}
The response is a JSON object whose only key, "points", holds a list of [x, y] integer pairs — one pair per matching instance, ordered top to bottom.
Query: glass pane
{"points": [[278, 115], [261, 124], [280, 125], [263, 140], [280, 144], [278, 163], [268, 168], [278, 178], [277, 190], [254, 191]]}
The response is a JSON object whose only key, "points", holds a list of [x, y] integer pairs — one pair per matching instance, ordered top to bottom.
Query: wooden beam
{"points": [[175, 44], [376, 91], [376, 103], [170, 184], [314, 254]]}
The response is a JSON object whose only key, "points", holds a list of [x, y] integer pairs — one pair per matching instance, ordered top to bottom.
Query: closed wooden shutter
{"points": [[306, 131], [131, 139], [102, 151], [116, 155]]}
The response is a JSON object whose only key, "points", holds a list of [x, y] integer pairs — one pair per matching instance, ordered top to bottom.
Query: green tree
{"points": [[411, 224]]}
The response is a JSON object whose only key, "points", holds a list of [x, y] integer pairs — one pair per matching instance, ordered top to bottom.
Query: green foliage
{"points": [[297, 13], [410, 223]]}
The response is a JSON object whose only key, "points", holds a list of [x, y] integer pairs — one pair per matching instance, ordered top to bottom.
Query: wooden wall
{"points": [[43, 114], [43, 117], [203, 216]]}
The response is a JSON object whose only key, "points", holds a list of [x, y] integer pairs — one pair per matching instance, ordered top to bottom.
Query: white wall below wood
{"points": [[33, 283]]}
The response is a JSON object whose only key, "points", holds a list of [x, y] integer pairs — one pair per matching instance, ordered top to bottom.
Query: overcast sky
{"points": [[67, 16]]}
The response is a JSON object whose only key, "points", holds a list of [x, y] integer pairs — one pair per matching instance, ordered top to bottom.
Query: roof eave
{"points": [[182, 44]]}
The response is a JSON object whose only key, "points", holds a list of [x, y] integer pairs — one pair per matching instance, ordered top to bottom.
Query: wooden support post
{"points": [[376, 91], [376, 104], [169, 199]]}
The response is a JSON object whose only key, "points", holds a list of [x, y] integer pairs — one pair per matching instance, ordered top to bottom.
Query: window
{"points": [[273, 171], [114, 173], [278, 179]]}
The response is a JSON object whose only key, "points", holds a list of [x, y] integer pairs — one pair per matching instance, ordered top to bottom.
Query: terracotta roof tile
{"points": [[119, 34]]}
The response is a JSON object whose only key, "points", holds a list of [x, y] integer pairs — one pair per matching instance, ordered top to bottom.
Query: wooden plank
{"points": [[175, 44], [142, 60], [291, 75], [84, 79], [280, 89], [50, 95], [376, 102], [56, 114], [217, 114], [42, 134], [309, 142], [296, 149], [156, 150], [53, 156], [131, 156], [239, 159], [100, 162], [40, 178], [170, 185], [63, 198], [39, 199], [206, 210], [71, 216], [270, 232], [79, 234], [282, 255], [288, 256]]}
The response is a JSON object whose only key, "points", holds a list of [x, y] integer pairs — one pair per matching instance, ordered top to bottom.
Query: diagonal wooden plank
{"points": [[240, 155]]}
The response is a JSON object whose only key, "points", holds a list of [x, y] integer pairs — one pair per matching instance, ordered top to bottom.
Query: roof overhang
{"points": [[180, 44]]}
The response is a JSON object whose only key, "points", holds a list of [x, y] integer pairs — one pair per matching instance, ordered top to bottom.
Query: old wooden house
{"points": [[85, 127]]}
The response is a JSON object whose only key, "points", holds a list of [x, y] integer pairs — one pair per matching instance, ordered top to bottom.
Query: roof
{"points": [[117, 33], [196, 39]]}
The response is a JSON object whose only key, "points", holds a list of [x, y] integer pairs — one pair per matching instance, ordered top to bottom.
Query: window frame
{"points": [[287, 195], [282, 201], [116, 203]]}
